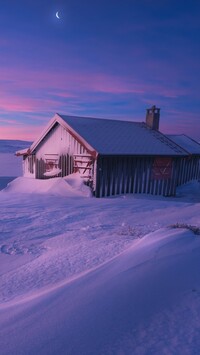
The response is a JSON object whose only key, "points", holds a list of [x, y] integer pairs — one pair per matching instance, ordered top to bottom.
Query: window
{"points": [[51, 164]]}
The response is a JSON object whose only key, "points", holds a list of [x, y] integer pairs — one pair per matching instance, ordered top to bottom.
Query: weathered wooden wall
{"points": [[59, 141], [65, 164], [29, 165], [40, 169], [188, 169], [127, 174], [117, 175]]}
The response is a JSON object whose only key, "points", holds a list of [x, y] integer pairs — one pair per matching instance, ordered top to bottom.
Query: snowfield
{"points": [[10, 165], [88, 276]]}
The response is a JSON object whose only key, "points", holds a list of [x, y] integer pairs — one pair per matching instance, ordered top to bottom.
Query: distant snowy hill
{"points": [[11, 146], [10, 165]]}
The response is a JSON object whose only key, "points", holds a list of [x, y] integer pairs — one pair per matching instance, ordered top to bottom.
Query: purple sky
{"points": [[103, 58]]}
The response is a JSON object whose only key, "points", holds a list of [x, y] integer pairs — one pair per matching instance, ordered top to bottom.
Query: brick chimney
{"points": [[153, 117]]}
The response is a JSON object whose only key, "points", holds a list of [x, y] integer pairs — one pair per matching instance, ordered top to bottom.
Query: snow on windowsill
{"points": [[53, 172]]}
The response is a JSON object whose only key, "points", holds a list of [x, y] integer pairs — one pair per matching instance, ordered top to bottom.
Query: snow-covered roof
{"points": [[114, 137], [187, 143]]}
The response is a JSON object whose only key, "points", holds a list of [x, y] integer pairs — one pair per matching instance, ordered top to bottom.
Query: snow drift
{"points": [[69, 186], [147, 300]]}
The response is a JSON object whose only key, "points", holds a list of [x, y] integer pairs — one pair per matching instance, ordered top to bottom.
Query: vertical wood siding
{"points": [[61, 143], [65, 164], [29, 165], [40, 169], [188, 169], [127, 174]]}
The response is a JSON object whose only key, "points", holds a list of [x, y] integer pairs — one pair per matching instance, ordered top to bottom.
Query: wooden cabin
{"points": [[114, 157]]}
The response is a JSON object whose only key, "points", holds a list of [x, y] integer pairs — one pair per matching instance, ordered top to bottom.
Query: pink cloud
{"points": [[65, 81], [110, 84], [28, 85], [34, 91], [62, 94], [19, 103], [9, 121], [24, 132]]}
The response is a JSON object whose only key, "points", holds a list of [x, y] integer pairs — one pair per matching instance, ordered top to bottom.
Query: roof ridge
{"points": [[99, 118], [114, 137]]}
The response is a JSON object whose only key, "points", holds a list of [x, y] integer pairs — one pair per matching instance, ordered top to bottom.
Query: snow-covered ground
{"points": [[10, 165], [88, 276]]}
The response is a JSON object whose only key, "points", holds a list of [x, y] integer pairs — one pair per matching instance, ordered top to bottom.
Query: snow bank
{"points": [[68, 187], [189, 192], [97, 276], [145, 301]]}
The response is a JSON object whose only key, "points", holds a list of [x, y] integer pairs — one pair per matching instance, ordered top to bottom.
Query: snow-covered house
{"points": [[115, 157]]}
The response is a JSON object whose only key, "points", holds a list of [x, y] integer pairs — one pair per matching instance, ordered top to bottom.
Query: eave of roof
{"points": [[187, 143], [23, 152]]}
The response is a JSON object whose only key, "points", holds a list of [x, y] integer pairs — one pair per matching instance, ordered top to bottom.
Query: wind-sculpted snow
{"points": [[59, 238], [62, 239], [19, 248], [88, 276], [144, 301]]}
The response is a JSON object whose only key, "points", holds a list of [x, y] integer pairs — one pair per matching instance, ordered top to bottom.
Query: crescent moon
{"points": [[57, 15]]}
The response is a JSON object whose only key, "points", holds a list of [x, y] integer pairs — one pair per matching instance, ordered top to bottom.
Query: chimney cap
{"points": [[153, 109]]}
